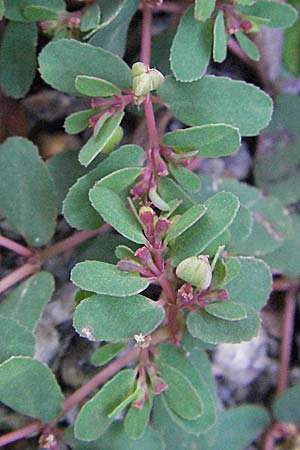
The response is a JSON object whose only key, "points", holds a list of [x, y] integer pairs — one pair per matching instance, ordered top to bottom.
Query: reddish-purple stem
{"points": [[14, 246], [17, 275], [286, 341], [21, 433], [269, 440]]}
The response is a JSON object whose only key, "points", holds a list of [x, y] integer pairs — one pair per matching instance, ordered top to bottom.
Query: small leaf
{"points": [[204, 9], [15, 10], [37, 13], [279, 15], [90, 18], [220, 39], [248, 46], [191, 47], [18, 60], [63, 60], [95, 87], [215, 100], [78, 121], [210, 140], [95, 145], [185, 177], [117, 181], [27, 191], [171, 191], [77, 209], [113, 211], [221, 211], [189, 218], [122, 252], [233, 267], [219, 274], [103, 278], [26, 303], [226, 310], [109, 318], [210, 329], [15, 339], [107, 352], [29, 387], [181, 397], [286, 405], [93, 418], [136, 420], [249, 422]]}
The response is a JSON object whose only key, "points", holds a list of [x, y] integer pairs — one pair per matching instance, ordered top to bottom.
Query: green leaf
{"points": [[2, 9], [16, 9], [204, 9], [36, 13], [279, 15], [90, 18], [112, 34], [220, 39], [248, 46], [191, 47], [291, 49], [160, 50], [18, 60], [63, 60], [95, 87], [214, 100], [78, 121], [210, 140], [94, 146], [277, 161], [65, 169], [189, 180], [117, 181], [172, 191], [27, 196], [77, 209], [113, 211], [221, 211], [271, 222], [183, 223], [242, 226], [122, 251], [286, 259], [233, 267], [253, 272], [103, 278], [26, 303], [226, 310], [110, 318], [210, 329], [15, 339], [107, 352], [195, 373], [29, 387], [181, 397], [286, 405], [93, 418], [136, 420], [249, 422], [115, 438]]}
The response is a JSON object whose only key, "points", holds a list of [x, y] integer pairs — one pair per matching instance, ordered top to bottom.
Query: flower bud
{"points": [[138, 68], [157, 78], [142, 84], [195, 270]]}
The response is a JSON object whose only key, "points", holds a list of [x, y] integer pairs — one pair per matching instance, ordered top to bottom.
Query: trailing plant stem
{"points": [[14, 246], [18, 275]]}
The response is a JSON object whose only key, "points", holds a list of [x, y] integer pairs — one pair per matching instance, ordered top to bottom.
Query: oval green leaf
{"points": [[95, 87], [226, 310], [109, 318]]}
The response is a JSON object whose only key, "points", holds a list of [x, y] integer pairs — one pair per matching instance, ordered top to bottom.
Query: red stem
{"points": [[17, 248], [17, 275], [286, 341], [21, 433], [269, 440]]}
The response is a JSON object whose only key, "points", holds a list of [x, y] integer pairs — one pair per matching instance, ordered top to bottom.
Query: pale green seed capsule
{"points": [[138, 68], [157, 78], [142, 84], [195, 270]]}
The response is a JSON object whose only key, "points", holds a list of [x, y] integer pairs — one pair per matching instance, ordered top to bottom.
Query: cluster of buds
{"points": [[69, 20], [235, 22], [144, 80], [154, 227], [196, 271]]}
